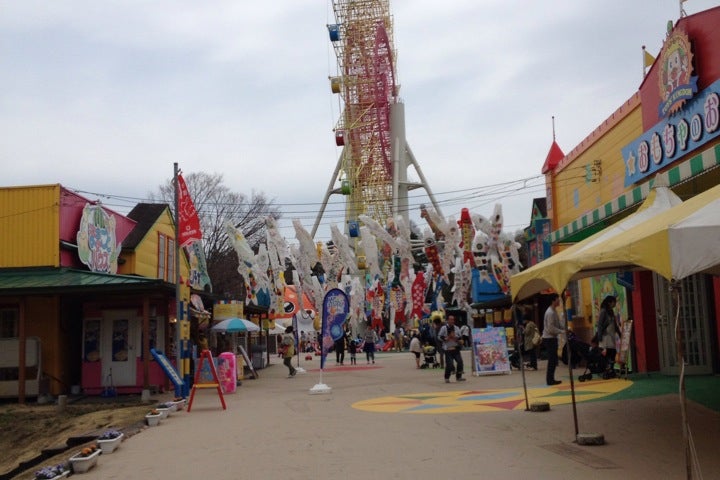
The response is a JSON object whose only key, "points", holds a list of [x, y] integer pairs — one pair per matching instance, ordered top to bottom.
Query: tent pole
{"points": [[675, 297], [519, 349], [569, 357]]}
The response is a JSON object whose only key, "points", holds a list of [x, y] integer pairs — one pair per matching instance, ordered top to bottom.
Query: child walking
{"points": [[352, 349]]}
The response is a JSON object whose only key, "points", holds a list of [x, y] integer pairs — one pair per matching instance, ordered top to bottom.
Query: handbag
{"points": [[536, 339]]}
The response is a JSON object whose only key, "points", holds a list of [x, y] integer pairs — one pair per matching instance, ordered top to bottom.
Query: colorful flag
{"points": [[648, 59], [188, 221], [336, 307]]}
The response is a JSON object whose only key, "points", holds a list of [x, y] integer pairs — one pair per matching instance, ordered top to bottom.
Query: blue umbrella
{"points": [[235, 325]]}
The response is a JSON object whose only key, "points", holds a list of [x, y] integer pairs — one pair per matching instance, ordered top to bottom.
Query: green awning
{"points": [[580, 227], [16, 281]]}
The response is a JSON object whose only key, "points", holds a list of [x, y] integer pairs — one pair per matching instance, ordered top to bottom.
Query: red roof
{"points": [[553, 157]]}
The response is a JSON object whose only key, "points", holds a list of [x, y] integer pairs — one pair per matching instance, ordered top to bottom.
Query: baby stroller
{"points": [[579, 350], [430, 358], [515, 360], [596, 363]]}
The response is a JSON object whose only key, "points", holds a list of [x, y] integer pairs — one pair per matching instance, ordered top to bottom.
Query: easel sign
{"points": [[206, 356], [248, 362]]}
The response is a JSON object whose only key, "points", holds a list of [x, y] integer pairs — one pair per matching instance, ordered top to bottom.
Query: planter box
{"points": [[180, 404], [164, 412], [152, 420], [109, 445], [83, 464], [62, 475]]}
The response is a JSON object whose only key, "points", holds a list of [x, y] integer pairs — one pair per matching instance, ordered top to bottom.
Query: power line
{"points": [[472, 197]]}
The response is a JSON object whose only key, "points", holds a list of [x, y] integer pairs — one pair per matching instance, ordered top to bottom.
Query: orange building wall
{"points": [[30, 226], [42, 320]]}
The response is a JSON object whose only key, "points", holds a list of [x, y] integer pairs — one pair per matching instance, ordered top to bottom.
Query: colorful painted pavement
{"points": [[491, 400]]}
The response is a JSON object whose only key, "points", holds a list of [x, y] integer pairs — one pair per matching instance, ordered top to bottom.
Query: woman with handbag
{"points": [[607, 330]]}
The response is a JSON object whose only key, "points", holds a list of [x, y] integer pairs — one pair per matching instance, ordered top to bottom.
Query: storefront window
{"points": [[8, 323], [153, 336], [120, 340], [91, 343]]}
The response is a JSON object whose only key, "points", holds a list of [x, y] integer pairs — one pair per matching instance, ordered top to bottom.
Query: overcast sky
{"points": [[104, 96]]}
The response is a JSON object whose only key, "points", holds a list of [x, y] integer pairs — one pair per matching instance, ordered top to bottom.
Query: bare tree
{"points": [[217, 204]]}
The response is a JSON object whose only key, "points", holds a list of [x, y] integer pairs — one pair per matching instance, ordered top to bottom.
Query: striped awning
{"points": [[691, 167]]}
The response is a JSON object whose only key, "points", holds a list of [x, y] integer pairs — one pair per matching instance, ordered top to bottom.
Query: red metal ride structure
{"points": [[362, 39]]}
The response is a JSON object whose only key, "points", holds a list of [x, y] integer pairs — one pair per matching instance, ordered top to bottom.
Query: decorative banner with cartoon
{"points": [[336, 307]]}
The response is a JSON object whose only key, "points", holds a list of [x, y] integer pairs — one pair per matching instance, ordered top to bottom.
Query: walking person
{"points": [[437, 326], [551, 330], [607, 330], [529, 331], [465, 334], [398, 338], [370, 339], [288, 344], [452, 345], [339, 346], [416, 348], [352, 349]]}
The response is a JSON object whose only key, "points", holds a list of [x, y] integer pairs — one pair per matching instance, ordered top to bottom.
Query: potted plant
{"points": [[179, 403], [164, 409], [153, 417], [110, 440], [85, 459], [61, 470]]}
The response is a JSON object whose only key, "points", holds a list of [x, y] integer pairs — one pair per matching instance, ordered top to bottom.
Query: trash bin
{"points": [[258, 360], [227, 372]]}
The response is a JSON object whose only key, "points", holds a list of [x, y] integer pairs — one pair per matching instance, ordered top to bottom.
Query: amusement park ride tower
{"points": [[375, 157]]}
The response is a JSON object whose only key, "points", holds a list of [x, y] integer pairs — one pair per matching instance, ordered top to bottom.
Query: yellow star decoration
{"points": [[630, 162], [490, 400]]}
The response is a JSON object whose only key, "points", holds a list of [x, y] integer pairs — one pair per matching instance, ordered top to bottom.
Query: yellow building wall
{"points": [[576, 196], [29, 226], [143, 261]]}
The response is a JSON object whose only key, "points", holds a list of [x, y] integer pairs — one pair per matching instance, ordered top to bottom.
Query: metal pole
{"points": [[178, 316], [519, 348], [569, 357]]}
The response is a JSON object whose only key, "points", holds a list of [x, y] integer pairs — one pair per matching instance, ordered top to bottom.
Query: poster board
{"points": [[490, 351], [623, 354], [249, 364]]}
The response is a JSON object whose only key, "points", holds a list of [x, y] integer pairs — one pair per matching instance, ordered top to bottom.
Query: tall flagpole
{"points": [[643, 61], [178, 355]]}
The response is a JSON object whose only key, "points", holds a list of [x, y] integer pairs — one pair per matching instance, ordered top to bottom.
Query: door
{"points": [[693, 321], [120, 339]]}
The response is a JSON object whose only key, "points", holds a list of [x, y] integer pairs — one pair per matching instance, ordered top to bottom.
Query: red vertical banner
{"points": [[188, 221]]}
